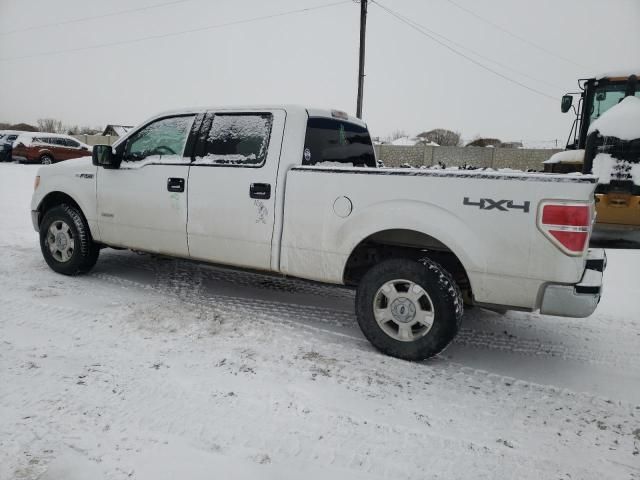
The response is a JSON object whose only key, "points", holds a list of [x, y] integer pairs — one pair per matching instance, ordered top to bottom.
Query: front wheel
{"points": [[46, 160], [65, 241], [409, 309]]}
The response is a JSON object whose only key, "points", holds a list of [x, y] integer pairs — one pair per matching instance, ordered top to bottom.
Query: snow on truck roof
{"points": [[294, 109], [312, 112]]}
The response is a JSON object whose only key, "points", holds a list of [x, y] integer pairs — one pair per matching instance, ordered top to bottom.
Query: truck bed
{"points": [[488, 219]]}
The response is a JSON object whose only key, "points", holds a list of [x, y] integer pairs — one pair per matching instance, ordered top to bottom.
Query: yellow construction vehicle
{"points": [[605, 140]]}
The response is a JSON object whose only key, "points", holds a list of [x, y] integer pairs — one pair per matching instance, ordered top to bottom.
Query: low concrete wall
{"points": [[96, 139], [516, 158]]}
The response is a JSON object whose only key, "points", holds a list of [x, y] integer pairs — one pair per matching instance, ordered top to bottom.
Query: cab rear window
{"points": [[336, 141]]}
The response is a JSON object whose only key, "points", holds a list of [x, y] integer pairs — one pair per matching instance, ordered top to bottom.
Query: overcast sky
{"points": [[310, 58]]}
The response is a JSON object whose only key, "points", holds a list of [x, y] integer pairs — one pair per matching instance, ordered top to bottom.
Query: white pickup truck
{"points": [[298, 192]]}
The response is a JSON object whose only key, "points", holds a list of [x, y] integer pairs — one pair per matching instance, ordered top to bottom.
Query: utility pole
{"points": [[363, 28]]}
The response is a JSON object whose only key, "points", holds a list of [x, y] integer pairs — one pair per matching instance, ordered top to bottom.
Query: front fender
{"points": [[81, 189]]}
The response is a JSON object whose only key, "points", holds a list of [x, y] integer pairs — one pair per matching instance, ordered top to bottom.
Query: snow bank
{"points": [[621, 121], [568, 156]]}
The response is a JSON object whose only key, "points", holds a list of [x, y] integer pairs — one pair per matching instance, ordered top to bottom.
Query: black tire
{"points": [[46, 159], [84, 254], [446, 307]]}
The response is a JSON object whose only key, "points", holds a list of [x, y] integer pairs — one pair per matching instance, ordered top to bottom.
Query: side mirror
{"points": [[567, 101], [103, 156]]}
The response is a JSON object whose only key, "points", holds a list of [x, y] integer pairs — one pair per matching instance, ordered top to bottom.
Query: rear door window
{"points": [[234, 139], [337, 142]]}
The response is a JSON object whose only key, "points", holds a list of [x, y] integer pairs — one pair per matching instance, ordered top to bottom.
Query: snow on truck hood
{"points": [[621, 121]]}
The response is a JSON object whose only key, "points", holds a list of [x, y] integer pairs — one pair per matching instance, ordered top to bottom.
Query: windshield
{"points": [[606, 97]]}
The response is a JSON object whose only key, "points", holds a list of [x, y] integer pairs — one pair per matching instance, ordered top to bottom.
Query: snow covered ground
{"points": [[161, 369]]}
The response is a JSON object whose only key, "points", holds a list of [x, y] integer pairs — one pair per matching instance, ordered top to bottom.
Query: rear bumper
{"points": [[579, 300]]}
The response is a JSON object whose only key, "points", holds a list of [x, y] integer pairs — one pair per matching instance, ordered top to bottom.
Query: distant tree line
{"points": [[52, 125], [451, 138]]}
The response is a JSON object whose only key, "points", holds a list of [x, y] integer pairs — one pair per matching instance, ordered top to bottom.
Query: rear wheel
{"points": [[46, 159], [65, 241], [409, 309]]}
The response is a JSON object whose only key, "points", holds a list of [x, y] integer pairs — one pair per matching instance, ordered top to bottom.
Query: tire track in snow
{"points": [[242, 278], [177, 282], [289, 317], [539, 348], [452, 375]]}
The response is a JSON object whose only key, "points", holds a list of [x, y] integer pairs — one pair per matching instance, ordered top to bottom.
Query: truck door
{"points": [[232, 186], [143, 204]]}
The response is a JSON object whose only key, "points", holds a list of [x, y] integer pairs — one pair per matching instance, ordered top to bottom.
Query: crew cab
{"points": [[297, 192]]}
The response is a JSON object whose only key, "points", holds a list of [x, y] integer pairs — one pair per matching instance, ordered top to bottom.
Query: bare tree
{"points": [[50, 125], [84, 130], [91, 130], [396, 134], [442, 136], [484, 142]]}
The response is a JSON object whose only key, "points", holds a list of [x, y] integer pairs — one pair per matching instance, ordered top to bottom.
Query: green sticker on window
{"points": [[342, 138]]}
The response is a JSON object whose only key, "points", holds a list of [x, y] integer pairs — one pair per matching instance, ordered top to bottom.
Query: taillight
{"points": [[567, 225]]}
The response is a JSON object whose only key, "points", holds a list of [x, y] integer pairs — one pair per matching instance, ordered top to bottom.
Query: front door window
{"points": [[162, 141]]}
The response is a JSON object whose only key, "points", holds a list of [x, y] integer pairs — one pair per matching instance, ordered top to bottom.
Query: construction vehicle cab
{"points": [[611, 153]]}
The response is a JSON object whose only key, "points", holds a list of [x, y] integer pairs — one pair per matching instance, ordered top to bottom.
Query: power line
{"points": [[93, 17], [422, 30], [174, 34], [515, 35], [480, 55]]}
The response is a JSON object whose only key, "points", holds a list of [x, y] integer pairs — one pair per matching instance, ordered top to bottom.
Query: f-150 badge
{"points": [[501, 205]]}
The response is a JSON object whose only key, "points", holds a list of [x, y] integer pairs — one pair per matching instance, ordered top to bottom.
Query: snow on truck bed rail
{"points": [[435, 171]]}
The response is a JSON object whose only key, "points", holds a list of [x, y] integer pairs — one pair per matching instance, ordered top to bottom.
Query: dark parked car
{"points": [[6, 145], [47, 148]]}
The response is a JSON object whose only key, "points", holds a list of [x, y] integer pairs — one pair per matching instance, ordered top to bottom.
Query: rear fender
{"points": [[420, 217]]}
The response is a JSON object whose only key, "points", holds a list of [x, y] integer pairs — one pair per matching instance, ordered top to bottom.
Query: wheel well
{"points": [[54, 199], [399, 243]]}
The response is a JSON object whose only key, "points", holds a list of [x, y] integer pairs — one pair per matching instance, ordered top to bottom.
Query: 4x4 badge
{"points": [[501, 205]]}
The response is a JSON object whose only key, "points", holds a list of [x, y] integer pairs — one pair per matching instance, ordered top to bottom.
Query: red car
{"points": [[47, 148]]}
